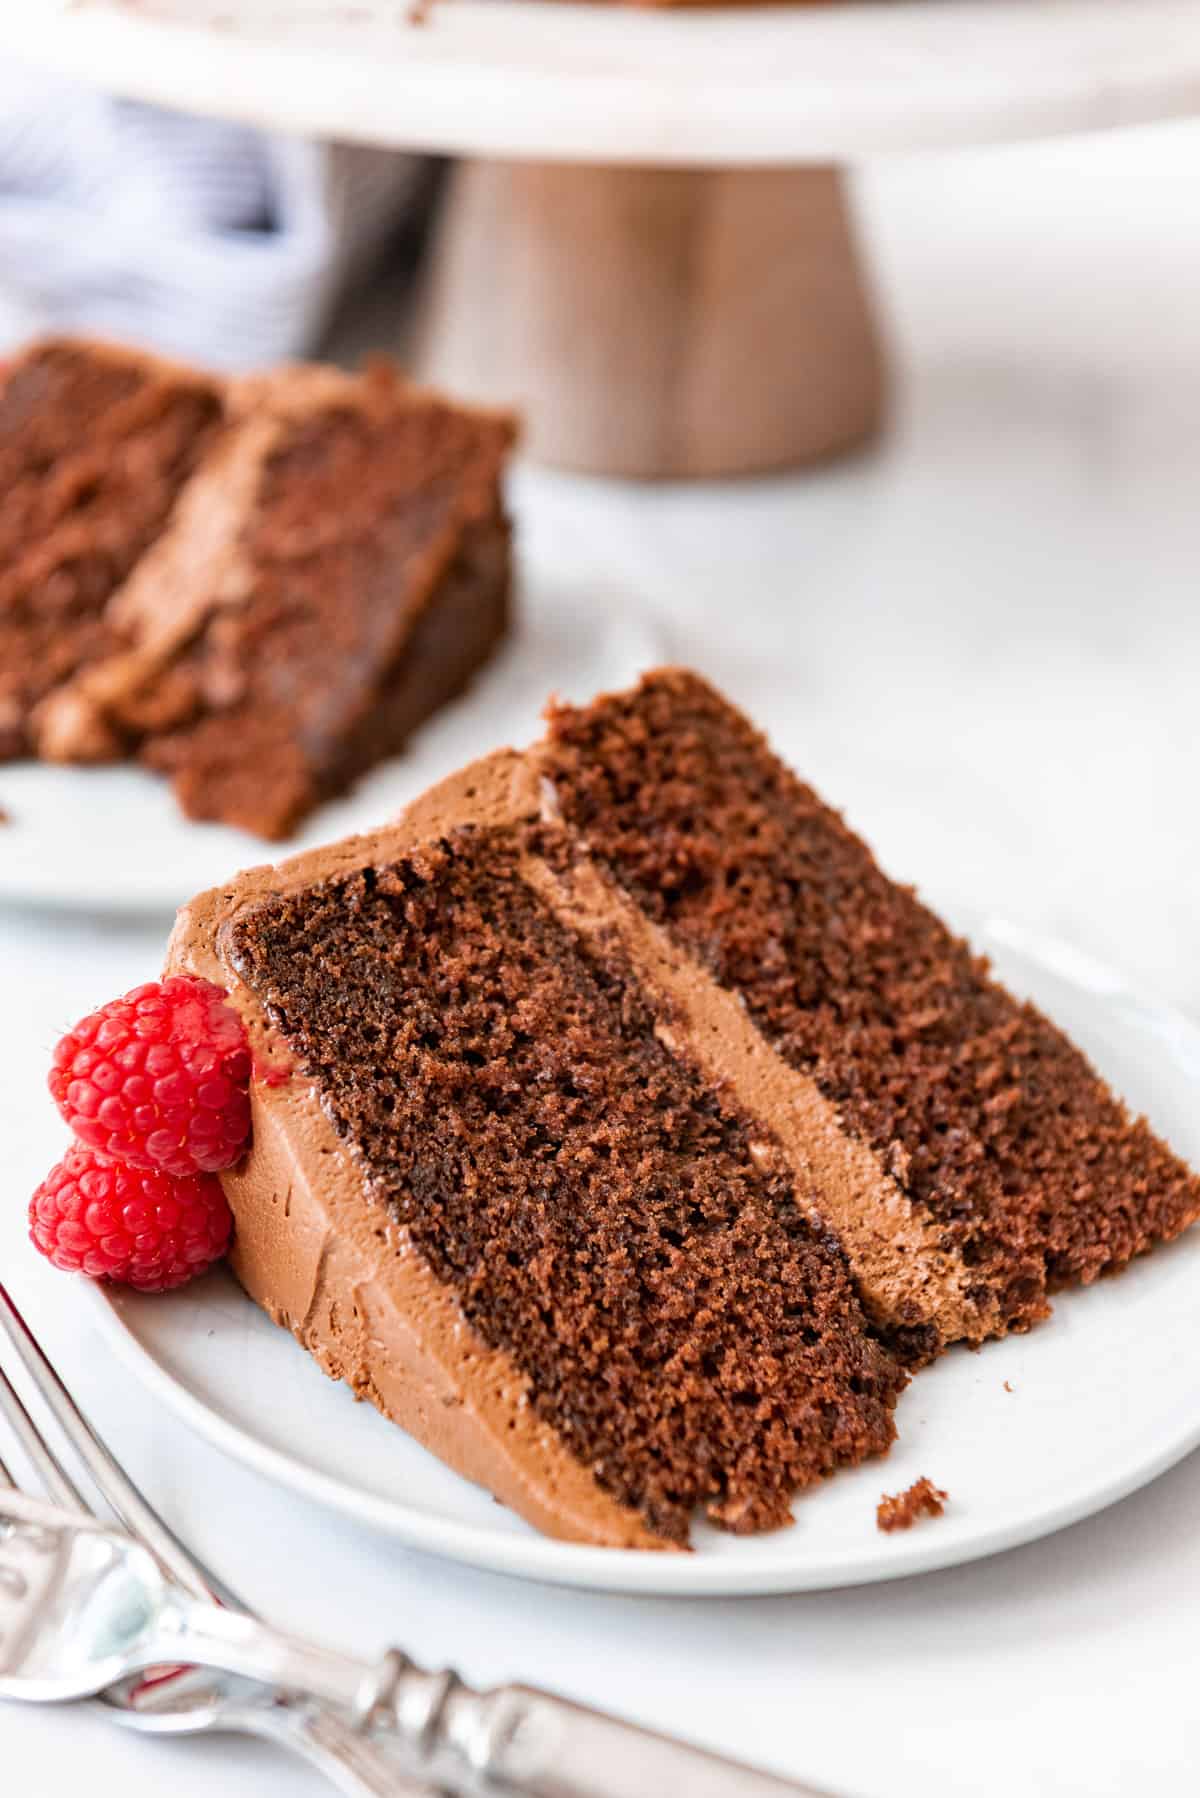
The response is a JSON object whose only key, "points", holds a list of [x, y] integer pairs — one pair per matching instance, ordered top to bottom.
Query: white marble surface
{"points": [[984, 641]]}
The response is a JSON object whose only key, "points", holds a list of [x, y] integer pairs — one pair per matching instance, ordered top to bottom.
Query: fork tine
{"points": [[49, 1468], [110, 1479]]}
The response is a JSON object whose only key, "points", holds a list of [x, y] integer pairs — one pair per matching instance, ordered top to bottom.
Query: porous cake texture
{"points": [[991, 1124], [640, 1135], [597, 1212]]}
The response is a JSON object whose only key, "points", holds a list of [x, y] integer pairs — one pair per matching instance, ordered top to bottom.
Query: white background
{"points": [[983, 642]]}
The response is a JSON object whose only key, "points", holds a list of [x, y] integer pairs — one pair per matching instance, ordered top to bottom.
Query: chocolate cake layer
{"points": [[96, 444], [338, 573], [990, 1122], [600, 1214]]}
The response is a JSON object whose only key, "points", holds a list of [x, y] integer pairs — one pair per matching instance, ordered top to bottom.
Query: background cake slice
{"points": [[96, 444], [338, 569], [988, 1129], [496, 1199]]}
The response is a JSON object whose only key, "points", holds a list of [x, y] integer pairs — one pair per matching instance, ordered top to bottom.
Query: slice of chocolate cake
{"points": [[96, 444], [337, 570], [621, 1130], [497, 1198]]}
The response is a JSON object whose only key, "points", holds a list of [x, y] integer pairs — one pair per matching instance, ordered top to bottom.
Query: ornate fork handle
{"points": [[512, 1741], [518, 1742]]}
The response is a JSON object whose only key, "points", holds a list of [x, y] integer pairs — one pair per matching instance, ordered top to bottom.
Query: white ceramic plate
{"points": [[114, 839], [1027, 1436]]}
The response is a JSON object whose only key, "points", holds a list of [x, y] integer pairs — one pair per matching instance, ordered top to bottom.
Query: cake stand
{"points": [[646, 244]]}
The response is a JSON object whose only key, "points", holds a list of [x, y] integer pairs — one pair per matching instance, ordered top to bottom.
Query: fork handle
{"points": [[514, 1742], [518, 1742]]}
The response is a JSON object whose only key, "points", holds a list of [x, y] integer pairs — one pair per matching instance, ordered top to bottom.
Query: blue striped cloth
{"points": [[205, 240]]}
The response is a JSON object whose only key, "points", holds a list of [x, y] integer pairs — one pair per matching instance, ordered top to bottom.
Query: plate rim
{"points": [[638, 1572]]}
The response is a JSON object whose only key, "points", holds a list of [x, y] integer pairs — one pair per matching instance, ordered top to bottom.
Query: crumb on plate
{"points": [[923, 1499]]}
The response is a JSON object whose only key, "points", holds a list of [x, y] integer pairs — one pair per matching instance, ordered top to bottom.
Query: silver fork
{"points": [[86, 1604], [188, 1700]]}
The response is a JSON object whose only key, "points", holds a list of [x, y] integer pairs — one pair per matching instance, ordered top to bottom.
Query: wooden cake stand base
{"points": [[655, 322]]}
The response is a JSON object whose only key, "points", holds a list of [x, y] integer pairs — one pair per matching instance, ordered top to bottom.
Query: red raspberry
{"points": [[159, 1079], [143, 1228]]}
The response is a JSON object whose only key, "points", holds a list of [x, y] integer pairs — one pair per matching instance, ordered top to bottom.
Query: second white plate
{"points": [[1027, 1436]]}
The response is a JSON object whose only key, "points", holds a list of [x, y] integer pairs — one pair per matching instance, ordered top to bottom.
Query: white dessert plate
{"points": [[113, 839], [1027, 1436]]}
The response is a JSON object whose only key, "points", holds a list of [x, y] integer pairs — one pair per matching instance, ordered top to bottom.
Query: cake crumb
{"points": [[5, 816], [1007, 1387], [923, 1499]]}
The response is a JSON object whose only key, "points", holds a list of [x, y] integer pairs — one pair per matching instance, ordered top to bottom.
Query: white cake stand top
{"points": [[559, 80]]}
